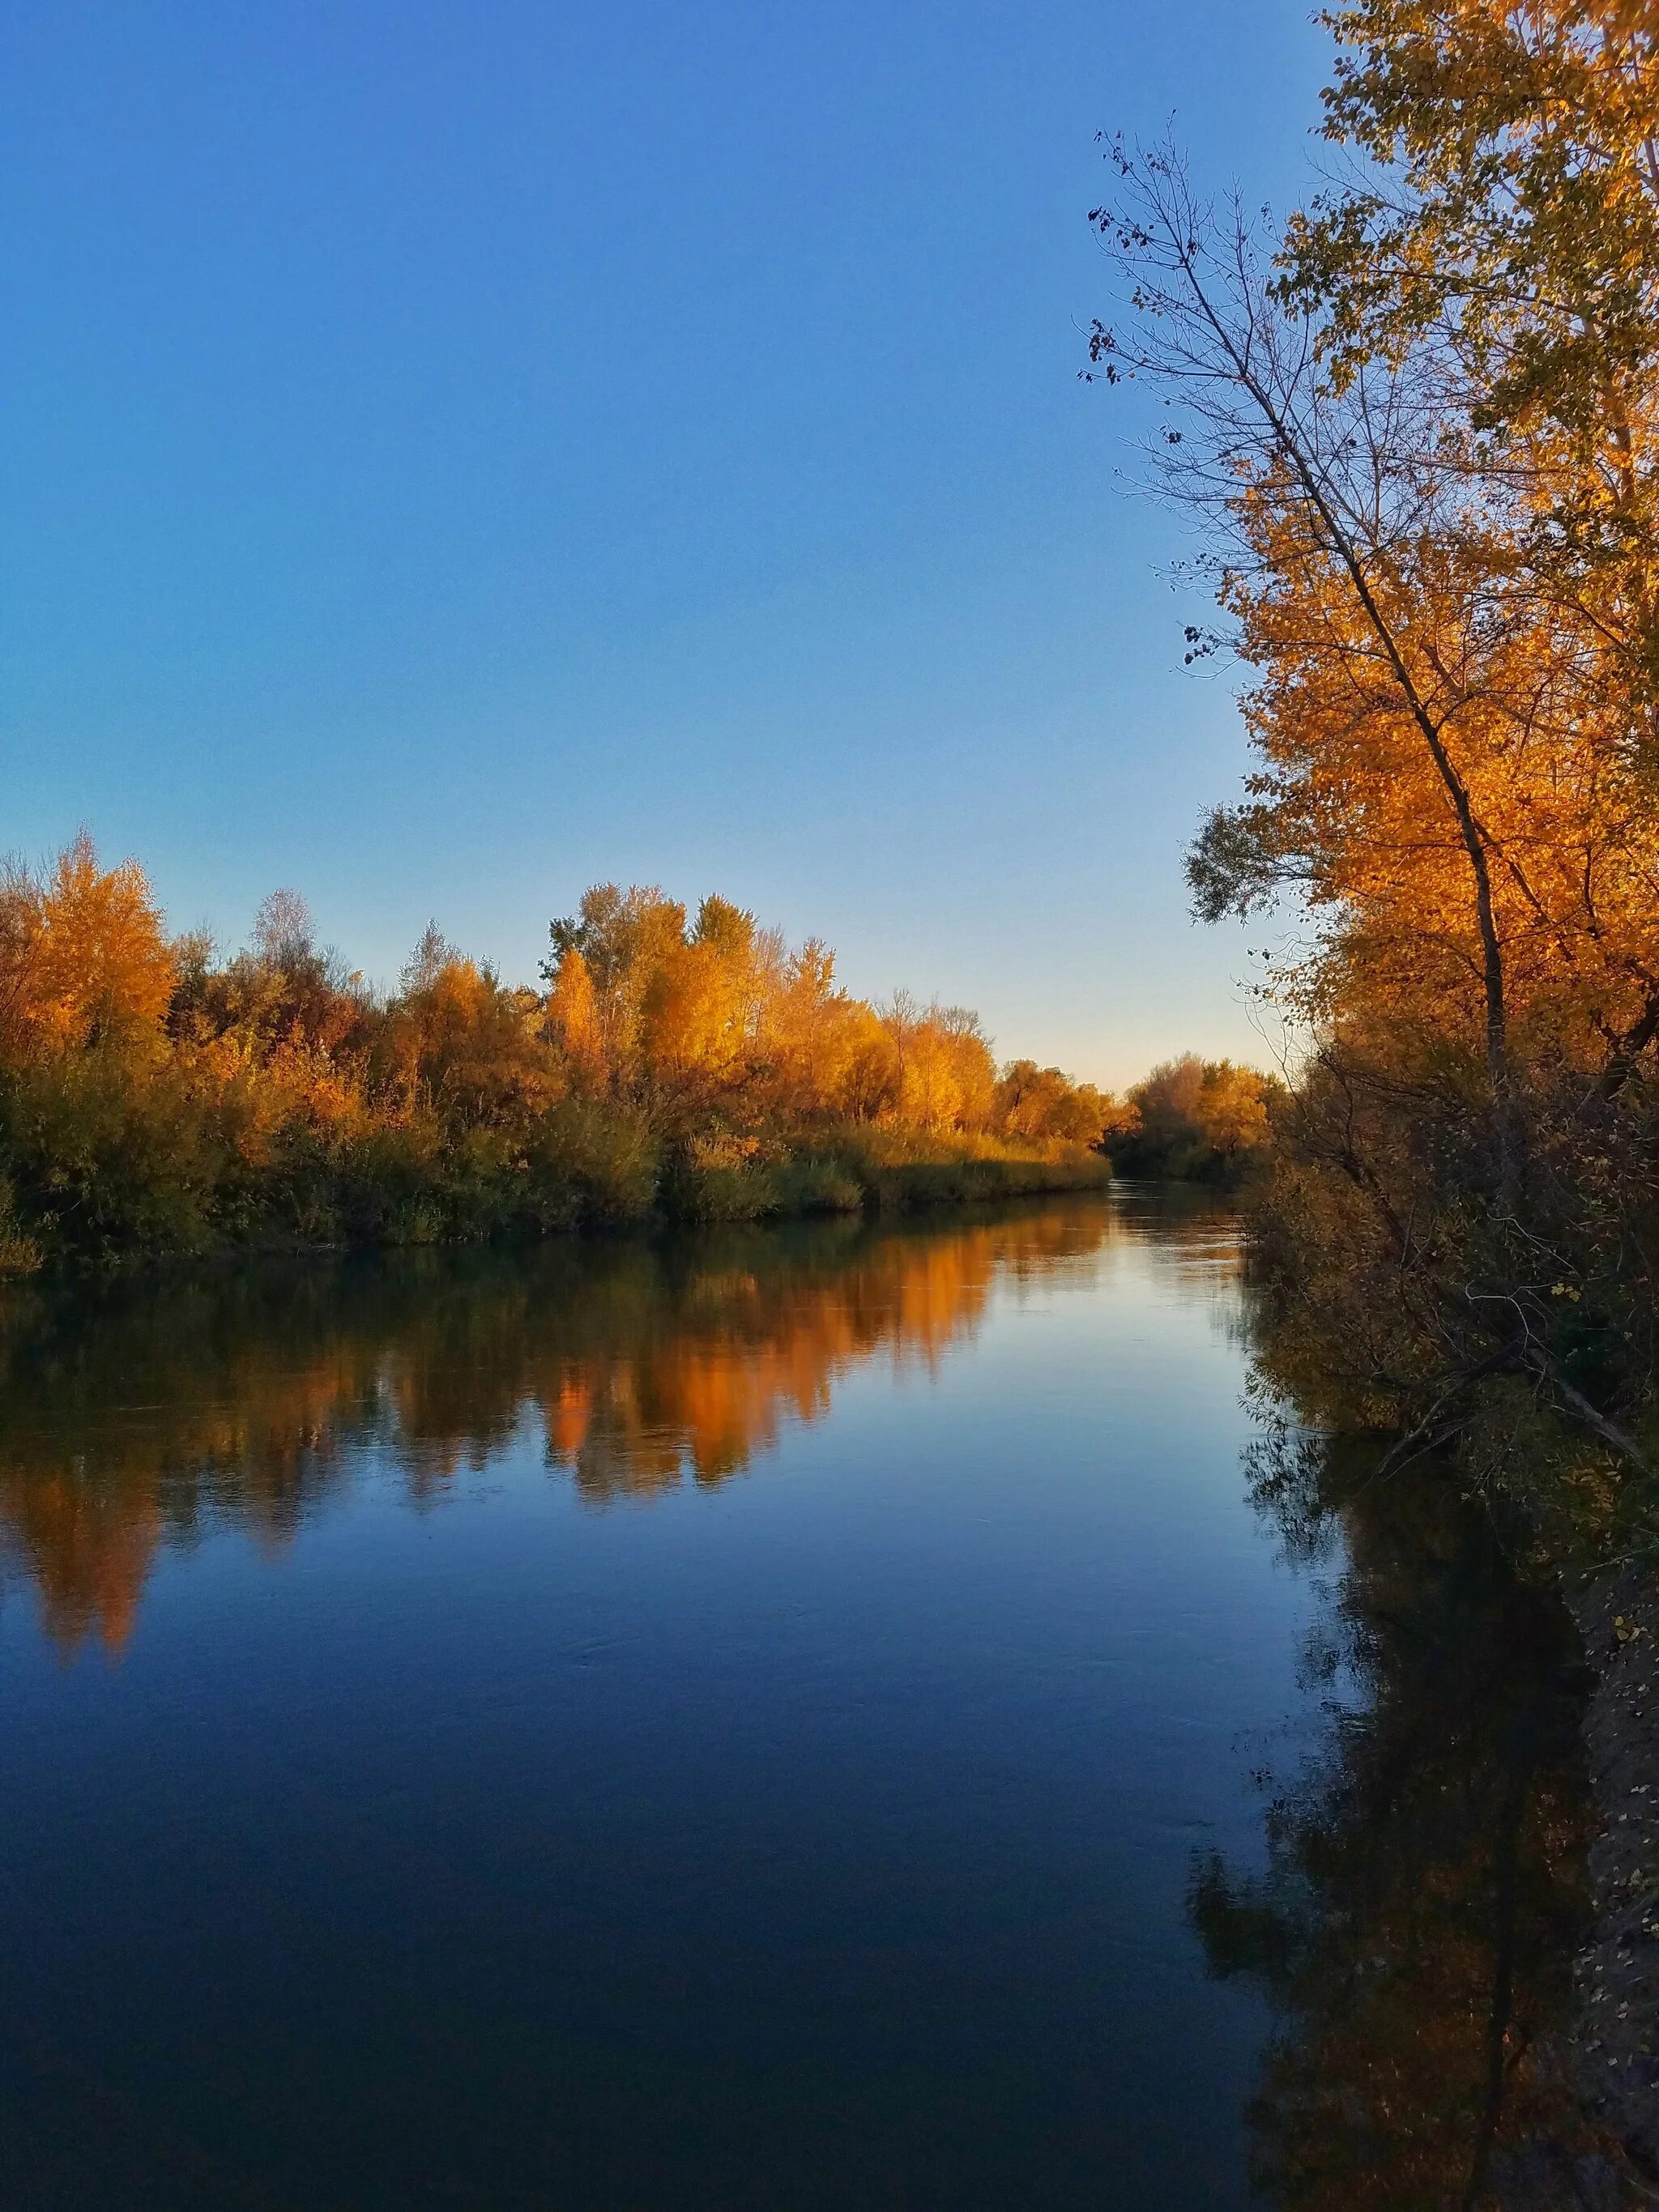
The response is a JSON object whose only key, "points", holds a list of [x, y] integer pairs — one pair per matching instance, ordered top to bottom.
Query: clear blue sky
{"points": [[456, 452]]}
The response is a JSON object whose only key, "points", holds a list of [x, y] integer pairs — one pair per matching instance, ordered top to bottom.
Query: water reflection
{"points": [[137, 1417], [828, 1849], [1415, 1925]]}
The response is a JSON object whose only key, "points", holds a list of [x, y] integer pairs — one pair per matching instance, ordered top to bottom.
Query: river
{"points": [[853, 1716]]}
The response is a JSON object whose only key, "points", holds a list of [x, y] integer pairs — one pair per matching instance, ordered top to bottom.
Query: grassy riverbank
{"points": [[876, 1171], [118, 1202]]}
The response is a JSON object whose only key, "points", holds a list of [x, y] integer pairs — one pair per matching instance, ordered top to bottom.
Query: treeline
{"points": [[1421, 421], [156, 1097]]}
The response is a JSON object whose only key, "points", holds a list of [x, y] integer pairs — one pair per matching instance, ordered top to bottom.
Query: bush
{"points": [[103, 1154], [589, 1166], [818, 1183], [718, 1190], [20, 1253]]}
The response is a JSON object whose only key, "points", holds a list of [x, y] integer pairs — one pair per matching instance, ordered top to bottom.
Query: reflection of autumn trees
{"points": [[143, 1418], [1414, 1928]]}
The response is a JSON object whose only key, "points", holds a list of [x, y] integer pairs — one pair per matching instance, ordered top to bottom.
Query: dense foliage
{"points": [[1422, 424], [153, 1097]]}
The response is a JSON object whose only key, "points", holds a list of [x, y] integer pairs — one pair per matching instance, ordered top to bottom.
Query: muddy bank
{"points": [[1616, 2046], [1608, 2062]]}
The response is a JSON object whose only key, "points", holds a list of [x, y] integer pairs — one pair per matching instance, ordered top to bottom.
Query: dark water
{"points": [[831, 1718]]}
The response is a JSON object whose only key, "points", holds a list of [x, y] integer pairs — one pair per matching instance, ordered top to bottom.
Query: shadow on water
{"points": [[1424, 1891]]}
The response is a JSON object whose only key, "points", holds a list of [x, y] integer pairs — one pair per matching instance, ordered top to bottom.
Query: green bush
{"points": [[103, 1156], [589, 1166], [818, 1183], [720, 1190], [20, 1253]]}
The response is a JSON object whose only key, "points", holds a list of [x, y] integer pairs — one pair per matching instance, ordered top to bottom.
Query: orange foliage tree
{"points": [[1420, 426], [83, 955]]}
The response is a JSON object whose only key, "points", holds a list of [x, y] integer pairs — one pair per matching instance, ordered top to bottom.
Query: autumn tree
{"points": [[1507, 216], [1443, 701], [84, 954], [717, 1015], [574, 1022], [464, 1044], [824, 1052], [945, 1075], [155, 1095], [1042, 1104], [1193, 1117]]}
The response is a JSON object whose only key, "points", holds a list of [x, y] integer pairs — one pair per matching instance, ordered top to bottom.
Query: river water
{"points": [[844, 1717]]}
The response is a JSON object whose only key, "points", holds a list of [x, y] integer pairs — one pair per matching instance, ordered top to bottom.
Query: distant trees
{"points": [[717, 1015], [1202, 1119]]}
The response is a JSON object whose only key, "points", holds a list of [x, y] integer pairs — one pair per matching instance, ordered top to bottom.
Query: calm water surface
{"points": [[776, 1721]]}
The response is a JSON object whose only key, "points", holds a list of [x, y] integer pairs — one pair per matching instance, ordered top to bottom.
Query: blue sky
{"points": [[455, 454]]}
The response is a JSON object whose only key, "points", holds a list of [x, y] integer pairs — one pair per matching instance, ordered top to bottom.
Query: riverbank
{"points": [[158, 1100], [586, 1172], [873, 1172], [1615, 2043], [1593, 2082], [1572, 2095]]}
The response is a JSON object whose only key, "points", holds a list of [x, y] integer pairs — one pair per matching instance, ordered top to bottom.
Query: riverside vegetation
{"points": [[1419, 423], [155, 1098]]}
